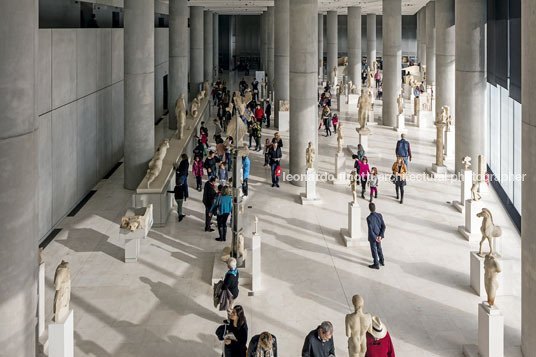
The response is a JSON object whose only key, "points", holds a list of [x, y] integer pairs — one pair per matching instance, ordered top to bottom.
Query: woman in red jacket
{"points": [[379, 342]]}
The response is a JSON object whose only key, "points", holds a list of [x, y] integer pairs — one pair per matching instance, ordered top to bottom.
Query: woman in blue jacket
{"points": [[223, 205]]}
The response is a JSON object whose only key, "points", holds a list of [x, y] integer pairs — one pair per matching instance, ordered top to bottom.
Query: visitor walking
{"points": [[378, 78], [259, 113], [268, 113], [334, 121], [257, 132], [277, 137], [267, 147], [403, 149], [360, 152], [275, 159], [210, 164], [197, 170], [364, 172], [181, 174], [223, 174], [245, 175], [399, 177], [373, 183], [179, 192], [209, 195], [222, 206], [376, 231], [238, 327], [319, 342], [379, 342], [263, 345]]}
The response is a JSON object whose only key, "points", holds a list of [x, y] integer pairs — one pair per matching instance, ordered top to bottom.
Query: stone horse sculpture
{"points": [[488, 229]]}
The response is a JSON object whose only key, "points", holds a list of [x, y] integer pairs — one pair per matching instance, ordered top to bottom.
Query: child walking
{"points": [[197, 170], [223, 175], [373, 183]]}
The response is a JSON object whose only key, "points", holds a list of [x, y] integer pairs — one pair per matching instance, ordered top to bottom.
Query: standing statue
{"points": [[334, 74], [370, 78], [206, 87], [400, 102], [364, 104], [194, 107], [180, 115], [445, 117], [440, 125], [242, 128], [340, 138], [310, 155], [466, 162], [353, 185], [475, 194], [488, 229], [491, 269], [62, 297], [357, 325]]}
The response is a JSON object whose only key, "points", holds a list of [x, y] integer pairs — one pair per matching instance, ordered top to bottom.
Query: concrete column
{"points": [[421, 36], [371, 38], [232, 41], [264, 42], [216, 44], [332, 44], [430, 44], [270, 45], [354, 45], [320, 46], [196, 50], [281, 53], [178, 55], [445, 56], [392, 59], [208, 66], [470, 80], [303, 82], [139, 89], [18, 178], [528, 186]]}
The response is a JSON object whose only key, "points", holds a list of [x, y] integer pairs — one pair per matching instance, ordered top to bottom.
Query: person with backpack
{"points": [[403, 149], [275, 159], [180, 197]]}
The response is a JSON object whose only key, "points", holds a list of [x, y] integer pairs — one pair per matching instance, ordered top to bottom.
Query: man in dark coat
{"points": [[268, 113], [209, 195], [376, 231], [319, 342]]}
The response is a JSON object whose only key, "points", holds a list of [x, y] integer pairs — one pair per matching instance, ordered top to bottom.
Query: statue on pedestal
{"points": [[334, 74], [370, 78], [206, 87], [400, 102], [364, 104], [194, 107], [180, 115], [440, 125], [340, 138], [310, 155], [466, 162], [155, 165], [354, 181], [488, 230], [491, 269], [62, 297], [357, 325]]}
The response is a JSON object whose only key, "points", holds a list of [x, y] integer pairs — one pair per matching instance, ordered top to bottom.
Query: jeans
{"points": [[267, 120], [334, 128], [258, 143], [405, 158], [228, 159], [275, 179], [184, 181], [199, 182], [363, 184], [399, 185], [245, 186], [179, 206], [207, 218], [222, 225], [376, 250]]}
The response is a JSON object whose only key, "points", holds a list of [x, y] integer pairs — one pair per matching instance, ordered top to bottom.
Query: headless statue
{"points": [[180, 114], [340, 137], [310, 155], [353, 185], [491, 269], [62, 297], [357, 325]]}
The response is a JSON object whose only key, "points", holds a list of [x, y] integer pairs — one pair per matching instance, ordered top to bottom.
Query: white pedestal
{"points": [[339, 102], [352, 102], [425, 119], [284, 120], [401, 124], [363, 140], [448, 148], [437, 171], [340, 174], [310, 188], [465, 192], [471, 230], [352, 236], [219, 269], [256, 273], [476, 276], [41, 301], [490, 333], [61, 338]]}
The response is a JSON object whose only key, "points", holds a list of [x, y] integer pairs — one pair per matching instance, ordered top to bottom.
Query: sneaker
{"points": [[372, 266]]}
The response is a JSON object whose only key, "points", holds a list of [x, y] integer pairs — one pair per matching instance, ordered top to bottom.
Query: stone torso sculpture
{"points": [[400, 102], [364, 105], [194, 108], [180, 114], [440, 125], [340, 138], [310, 155], [155, 165], [353, 185], [488, 230], [491, 269], [62, 297], [357, 325]]}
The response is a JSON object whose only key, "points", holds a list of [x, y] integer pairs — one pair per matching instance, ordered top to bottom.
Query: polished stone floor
{"points": [[162, 305]]}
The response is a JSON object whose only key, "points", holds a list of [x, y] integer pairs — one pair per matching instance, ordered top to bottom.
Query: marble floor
{"points": [[162, 305]]}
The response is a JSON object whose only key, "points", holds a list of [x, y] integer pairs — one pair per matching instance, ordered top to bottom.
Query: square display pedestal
{"points": [[352, 102], [425, 119], [284, 120], [400, 124], [363, 140], [448, 148], [340, 174], [465, 189], [310, 196], [471, 230], [352, 236], [477, 275], [490, 333], [61, 337]]}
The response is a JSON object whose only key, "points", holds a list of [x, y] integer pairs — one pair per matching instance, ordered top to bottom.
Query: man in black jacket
{"points": [[268, 113], [275, 158], [181, 174], [209, 195], [319, 342]]}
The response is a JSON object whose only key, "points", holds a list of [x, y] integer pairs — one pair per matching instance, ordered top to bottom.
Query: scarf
{"points": [[234, 271], [263, 353]]}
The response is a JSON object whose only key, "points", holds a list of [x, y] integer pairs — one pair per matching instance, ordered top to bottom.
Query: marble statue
{"points": [[334, 73], [370, 78], [206, 87], [352, 88], [340, 89], [200, 96], [248, 97], [400, 102], [364, 104], [284, 106], [194, 107], [180, 114], [445, 117], [440, 125], [242, 128], [340, 137], [310, 155], [466, 162], [155, 165], [353, 185], [475, 194], [131, 222], [488, 229], [242, 252], [41, 258], [491, 269], [62, 297], [357, 325]]}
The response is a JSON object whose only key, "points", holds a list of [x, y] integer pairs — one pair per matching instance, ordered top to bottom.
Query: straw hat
{"points": [[378, 330]]}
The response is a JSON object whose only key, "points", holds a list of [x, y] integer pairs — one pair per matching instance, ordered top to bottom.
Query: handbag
{"points": [[278, 171], [393, 178], [221, 332]]}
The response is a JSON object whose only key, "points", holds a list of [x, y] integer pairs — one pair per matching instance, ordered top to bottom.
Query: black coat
{"points": [[274, 154], [179, 192], [209, 194], [231, 282], [313, 347], [237, 348]]}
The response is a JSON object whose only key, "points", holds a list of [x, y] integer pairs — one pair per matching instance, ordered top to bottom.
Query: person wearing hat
{"points": [[379, 342]]}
